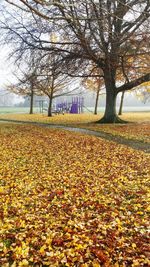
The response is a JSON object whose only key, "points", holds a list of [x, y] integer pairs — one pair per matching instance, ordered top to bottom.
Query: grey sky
{"points": [[5, 68]]}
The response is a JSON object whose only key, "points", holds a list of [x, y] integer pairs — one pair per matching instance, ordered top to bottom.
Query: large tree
{"points": [[105, 32]]}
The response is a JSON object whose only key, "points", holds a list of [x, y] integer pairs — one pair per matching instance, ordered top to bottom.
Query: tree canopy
{"points": [[112, 35]]}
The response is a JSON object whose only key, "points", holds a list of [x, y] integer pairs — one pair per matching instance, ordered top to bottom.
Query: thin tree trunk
{"points": [[31, 102], [96, 102], [121, 103], [50, 107]]}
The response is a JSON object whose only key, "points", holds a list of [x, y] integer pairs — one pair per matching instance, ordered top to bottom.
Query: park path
{"points": [[138, 145]]}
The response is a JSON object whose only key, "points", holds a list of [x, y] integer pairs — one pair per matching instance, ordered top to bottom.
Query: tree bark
{"points": [[31, 102], [121, 103], [50, 107], [110, 115]]}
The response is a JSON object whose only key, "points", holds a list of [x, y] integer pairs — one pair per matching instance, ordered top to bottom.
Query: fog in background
{"points": [[8, 99]]}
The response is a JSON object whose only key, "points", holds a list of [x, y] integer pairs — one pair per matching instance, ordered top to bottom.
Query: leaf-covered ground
{"points": [[76, 118], [56, 119], [139, 130], [136, 131], [71, 200]]}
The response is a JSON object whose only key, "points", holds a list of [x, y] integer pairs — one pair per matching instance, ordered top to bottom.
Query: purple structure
{"points": [[75, 107]]}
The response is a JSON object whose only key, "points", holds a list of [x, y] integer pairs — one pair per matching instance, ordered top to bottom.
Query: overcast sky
{"points": [[5, 68], [6, 76]]}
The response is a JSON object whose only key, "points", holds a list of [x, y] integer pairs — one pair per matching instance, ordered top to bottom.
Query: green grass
{"points": [[14, 110]]}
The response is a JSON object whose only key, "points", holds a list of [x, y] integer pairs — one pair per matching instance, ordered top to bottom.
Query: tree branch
{"points": [[134, 83]]}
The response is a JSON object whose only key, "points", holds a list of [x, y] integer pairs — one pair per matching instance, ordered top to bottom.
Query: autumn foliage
{"points": [[71, 200]]}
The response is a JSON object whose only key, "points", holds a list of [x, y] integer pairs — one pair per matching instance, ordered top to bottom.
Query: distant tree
{"points": [[51, 82], [94, 83], [26, 84], [144, 92], [6, 99], [121, 103]]}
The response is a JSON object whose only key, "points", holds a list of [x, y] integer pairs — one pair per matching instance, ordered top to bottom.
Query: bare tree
{"points": [[100, 31], [51, 82], [95, 82], [26, 83], [6, 99]]}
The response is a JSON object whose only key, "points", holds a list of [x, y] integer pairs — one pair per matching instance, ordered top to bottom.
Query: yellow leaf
{"points": [[1, 189], [133, 245], [42, 249], [24, 263], [96, 263]]}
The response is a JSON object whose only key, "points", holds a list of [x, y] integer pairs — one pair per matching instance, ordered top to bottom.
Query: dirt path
{"points": [[138, 145]]}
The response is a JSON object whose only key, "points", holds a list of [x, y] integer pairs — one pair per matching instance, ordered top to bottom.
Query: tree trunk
{"points": [[31, 102], [96, 102], [121, 103], [50, 107], [110, 115]]}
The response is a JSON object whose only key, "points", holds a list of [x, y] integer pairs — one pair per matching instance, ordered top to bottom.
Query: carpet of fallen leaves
{"points": [[75, 118], [56, 119], [139, 130], [134, 131], [71, 200]]}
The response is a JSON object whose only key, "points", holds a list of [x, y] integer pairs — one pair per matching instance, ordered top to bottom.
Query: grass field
{"points": [[15, 110], [71, 200]]}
